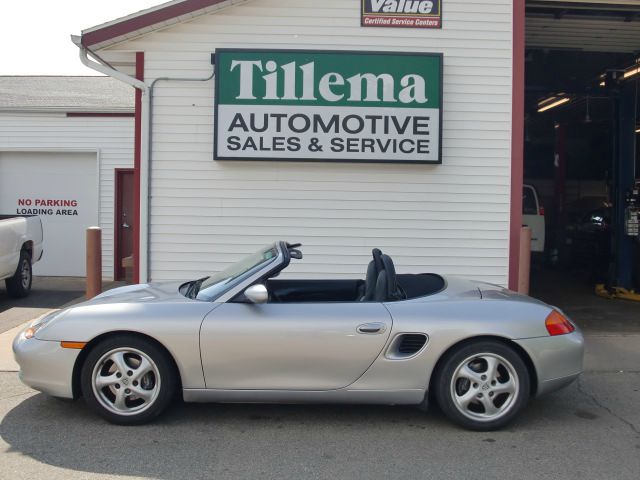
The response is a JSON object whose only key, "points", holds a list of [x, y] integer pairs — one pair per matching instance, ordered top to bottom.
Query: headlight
{"points": [[38, 323]]}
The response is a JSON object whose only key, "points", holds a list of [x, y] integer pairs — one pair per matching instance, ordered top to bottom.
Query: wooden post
{"points": [[525, 261], [94, 262]]}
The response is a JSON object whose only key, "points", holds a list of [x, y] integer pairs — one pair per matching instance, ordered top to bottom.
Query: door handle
{"points": [[125, 225], [371, 328]]}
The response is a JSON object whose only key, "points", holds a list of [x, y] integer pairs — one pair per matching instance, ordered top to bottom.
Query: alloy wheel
{"points": [[126, 381], [484, 387]]}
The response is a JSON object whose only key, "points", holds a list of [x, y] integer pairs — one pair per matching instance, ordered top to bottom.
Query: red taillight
{"points": [[541, 210], [557, 324]]}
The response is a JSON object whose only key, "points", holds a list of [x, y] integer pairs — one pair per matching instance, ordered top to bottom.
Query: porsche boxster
{"points": [[244, 335]]}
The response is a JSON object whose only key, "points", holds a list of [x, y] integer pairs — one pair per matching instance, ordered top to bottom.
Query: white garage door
{"points": [[62, 189]]}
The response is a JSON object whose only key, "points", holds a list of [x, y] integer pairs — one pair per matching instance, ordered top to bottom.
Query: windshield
{"points": [[216, 284]]}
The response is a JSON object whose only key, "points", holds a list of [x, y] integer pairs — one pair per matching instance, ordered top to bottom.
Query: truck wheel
{"points": [[19, 285]]}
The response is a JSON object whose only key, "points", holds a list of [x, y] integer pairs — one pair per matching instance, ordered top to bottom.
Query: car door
{"points": [[291, 346]]}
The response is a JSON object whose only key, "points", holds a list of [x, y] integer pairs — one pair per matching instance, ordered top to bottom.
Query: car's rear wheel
{"points": [[128, 380], [482, 385]]}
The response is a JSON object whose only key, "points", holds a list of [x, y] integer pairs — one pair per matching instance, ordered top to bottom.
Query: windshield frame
{"points": [[243, 280]]}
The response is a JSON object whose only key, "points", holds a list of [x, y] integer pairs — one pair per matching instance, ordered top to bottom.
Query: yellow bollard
{"points": [[525, 261], [94, 262]]}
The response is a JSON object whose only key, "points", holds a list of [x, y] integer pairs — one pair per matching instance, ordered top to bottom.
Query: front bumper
{"points": [[557, 360], [45, 365]]}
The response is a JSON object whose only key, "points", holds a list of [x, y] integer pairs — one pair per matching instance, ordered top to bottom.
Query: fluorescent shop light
{"points": [[631, 73], [555, 101]]}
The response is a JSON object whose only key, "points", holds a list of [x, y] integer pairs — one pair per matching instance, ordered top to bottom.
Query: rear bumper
{"points": [[557, 360], [45, 365]]}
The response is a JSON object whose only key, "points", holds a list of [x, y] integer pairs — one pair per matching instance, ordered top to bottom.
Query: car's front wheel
{"points": [[128, 380], [482, 385]]}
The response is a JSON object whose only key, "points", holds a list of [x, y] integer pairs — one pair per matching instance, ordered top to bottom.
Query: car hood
{"points": [[141, 293]]}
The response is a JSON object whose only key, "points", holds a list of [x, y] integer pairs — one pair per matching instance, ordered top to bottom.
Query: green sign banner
{"points": [[328, 106]]}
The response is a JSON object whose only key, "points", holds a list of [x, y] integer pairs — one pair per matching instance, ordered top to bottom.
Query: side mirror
{"points": [[257, 293]]}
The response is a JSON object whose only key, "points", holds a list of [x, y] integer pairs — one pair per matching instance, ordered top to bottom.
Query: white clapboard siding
{"points": [[112, 137], [452, 218]]}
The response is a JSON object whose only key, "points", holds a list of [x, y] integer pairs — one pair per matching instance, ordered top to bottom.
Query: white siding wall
{"points": [[112, 138], [452, 218]]}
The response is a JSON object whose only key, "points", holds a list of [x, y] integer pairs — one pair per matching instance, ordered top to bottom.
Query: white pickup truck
{"points": [[21, 240]]}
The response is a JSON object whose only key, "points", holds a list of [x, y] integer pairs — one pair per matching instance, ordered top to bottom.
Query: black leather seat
{"points": [[373, 270], [381, 284], [387, 288]]}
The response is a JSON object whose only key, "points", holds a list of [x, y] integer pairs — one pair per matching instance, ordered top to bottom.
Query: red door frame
{"points": [[517, 141], [137, 149], [117, 220]]}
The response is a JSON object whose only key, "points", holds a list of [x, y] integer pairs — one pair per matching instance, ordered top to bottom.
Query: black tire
{"points": [[19, 285], [163, 380], [453, 386]]}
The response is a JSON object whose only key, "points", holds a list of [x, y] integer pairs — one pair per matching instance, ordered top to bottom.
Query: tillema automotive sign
{"points": [[402, 13], [328, 106]]}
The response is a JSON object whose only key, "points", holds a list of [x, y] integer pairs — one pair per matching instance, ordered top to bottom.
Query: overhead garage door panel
{"points": [[586, 25], [62, 189]]}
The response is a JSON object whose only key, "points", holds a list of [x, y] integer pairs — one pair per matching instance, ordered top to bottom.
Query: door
{"points": [[124, 222], [294, 346]]}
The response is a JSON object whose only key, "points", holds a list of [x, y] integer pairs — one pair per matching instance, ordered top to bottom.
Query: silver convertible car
{"points": [[243, 335]]}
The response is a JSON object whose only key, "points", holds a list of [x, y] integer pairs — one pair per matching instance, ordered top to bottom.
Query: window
{"points": [[529, 203]]}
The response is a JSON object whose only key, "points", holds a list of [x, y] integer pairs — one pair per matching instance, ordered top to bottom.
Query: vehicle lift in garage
{"points": [[625, 191]]}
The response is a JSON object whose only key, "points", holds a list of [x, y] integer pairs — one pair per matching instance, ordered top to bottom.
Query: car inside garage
{"points": [[581, 150]]}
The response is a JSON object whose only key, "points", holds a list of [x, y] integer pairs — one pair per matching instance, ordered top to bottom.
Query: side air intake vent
{"points": [[411, 343], [406, 345]]}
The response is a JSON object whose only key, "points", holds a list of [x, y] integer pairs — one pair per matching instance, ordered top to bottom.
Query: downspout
{"points": [[150, 147], [144, 150]]}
